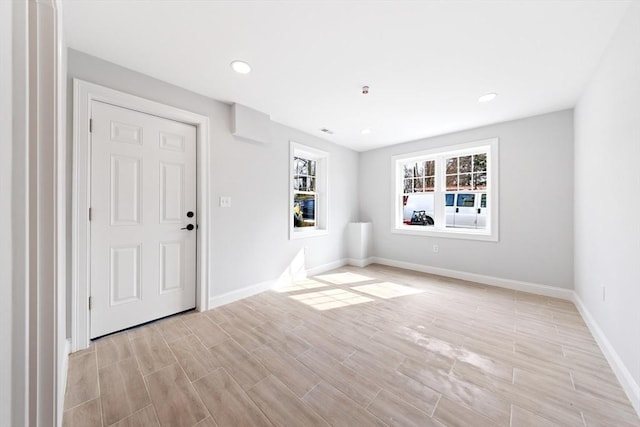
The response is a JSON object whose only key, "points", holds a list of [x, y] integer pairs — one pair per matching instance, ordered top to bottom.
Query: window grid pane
{"points": [[480, 162], [465, 164], [452, 165], [430, 168], [466, 172], [419, 177], [464, 181], [480, 181], [452, 182], [430, 184], [408, 185]]}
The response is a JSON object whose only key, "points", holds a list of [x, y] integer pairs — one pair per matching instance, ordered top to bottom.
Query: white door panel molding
{"points": [[126, 175], [140, 197]]}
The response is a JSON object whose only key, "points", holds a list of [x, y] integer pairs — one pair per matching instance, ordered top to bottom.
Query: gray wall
{"points": [[607, 193], [536, 204], [249, 240]]}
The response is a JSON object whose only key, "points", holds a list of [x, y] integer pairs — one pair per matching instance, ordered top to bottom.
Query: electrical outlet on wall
{"points": [[225, 202], [436, 249], [604, 293]]}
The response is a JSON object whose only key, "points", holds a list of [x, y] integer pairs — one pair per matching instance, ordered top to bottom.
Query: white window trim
{"points": [[322, 180], [491, 233]]}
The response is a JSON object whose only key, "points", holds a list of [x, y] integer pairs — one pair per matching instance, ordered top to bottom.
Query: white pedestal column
{"points": [[359, 241]]}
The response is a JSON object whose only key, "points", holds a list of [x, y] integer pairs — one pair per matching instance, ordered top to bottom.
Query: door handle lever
{"points": [[188, 227]]}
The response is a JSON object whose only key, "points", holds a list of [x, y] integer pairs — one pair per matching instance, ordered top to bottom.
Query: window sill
{"points": [[455, 233], [302, 234]]}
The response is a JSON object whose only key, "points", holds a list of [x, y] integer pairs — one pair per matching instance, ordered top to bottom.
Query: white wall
{"points": [[43, 142], [607, 196], [536, 205], [254, 232], [249, 240], [63, 244], [6, 246], [27, 282], [14, 352]]}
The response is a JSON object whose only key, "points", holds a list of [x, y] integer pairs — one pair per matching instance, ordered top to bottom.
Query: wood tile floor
{"points": [[354, 347]]}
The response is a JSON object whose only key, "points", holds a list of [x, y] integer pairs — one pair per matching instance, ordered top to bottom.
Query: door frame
{"points": [[84, 93]]}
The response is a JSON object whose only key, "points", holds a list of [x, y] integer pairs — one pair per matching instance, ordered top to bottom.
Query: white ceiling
{"points": [[427, 62]]}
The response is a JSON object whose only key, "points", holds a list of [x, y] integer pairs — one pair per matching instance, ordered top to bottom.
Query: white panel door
{"points": [[143, 198]]}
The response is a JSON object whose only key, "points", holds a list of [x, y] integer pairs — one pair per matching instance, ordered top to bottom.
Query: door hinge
{"points": [[90, 125], [89, 214], [90, 303]]}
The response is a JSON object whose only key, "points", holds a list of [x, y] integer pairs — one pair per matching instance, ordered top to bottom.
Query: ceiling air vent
{"points": [[325, 130]]}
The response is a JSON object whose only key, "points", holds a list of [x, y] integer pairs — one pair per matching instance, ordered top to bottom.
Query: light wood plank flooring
{"points": [[375, 346]]}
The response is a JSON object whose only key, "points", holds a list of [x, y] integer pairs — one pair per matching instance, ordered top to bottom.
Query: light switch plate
{"points": [[225, 202]]}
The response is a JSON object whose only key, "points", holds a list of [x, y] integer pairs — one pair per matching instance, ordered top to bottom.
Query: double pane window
{"points": [[447, 191]]}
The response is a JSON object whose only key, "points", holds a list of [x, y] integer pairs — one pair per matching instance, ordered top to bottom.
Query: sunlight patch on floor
{"points": [[344, 278], [387, 290], [332, 298]]}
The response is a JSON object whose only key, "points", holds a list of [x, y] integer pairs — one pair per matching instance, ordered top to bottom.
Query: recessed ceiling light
{"points": [[241, 67], [487, 97], [365, 131]]}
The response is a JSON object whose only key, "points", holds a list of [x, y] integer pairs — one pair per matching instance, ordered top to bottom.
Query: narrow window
{"points": [[308, 184], [304, 192]]}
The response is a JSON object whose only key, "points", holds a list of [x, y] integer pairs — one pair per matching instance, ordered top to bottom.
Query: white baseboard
{"points": [[361, 262], [314, 271], [284, 280], [534, 288], [248, 291], [62, 377], [630, 386]]}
